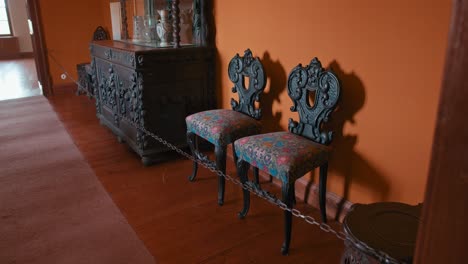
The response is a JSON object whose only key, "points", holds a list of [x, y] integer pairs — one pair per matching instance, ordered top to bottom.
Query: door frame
{"points": [[39, 47], [443, 231]]}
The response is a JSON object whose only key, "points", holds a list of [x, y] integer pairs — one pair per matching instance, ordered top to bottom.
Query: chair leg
{"points": [[193, 144], [220, 153], [234, 154], [242, 170], [257, 181], [323, 191], [287, 197]]}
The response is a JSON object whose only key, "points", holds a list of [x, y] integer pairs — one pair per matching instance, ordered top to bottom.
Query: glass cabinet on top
{"points": [[164, 23]]}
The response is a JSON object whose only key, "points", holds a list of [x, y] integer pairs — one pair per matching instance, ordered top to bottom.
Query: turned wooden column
{"points": [[123, 14], [176, 23]]}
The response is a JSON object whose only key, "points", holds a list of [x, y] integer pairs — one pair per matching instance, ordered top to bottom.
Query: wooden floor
{"points": [[18, 78], [179, 221]]}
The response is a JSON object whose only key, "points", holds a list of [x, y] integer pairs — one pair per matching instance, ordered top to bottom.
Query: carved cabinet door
{"points": [[106, 88]]}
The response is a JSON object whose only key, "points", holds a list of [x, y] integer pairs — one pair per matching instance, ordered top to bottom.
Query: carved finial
{"points": [[248, 57], [315, 60]]}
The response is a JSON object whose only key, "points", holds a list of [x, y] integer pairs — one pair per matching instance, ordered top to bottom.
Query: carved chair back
{"points": [[100, 34], [239, 69], [303, 81]]}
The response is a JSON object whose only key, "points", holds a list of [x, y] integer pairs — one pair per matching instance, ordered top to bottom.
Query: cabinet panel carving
{"points": [[157, 90]]}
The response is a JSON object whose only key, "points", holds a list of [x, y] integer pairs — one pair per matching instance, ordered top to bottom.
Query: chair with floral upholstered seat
{"points": [[222, 127], [290, 155]]}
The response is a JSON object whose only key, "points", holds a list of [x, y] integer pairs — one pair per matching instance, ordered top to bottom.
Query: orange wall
{"points": [[68, 28], [389, 56]]}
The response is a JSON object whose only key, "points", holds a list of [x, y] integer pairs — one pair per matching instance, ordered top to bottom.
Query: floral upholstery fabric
{"points": [[222, 127], [282, 154]]}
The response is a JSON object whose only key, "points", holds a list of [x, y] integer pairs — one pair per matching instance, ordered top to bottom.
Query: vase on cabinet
{"points": [[164, 28]]}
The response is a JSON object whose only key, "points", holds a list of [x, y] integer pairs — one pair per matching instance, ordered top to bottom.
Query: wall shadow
{"points": [[218, 82], [276, 84], [345, 160]]}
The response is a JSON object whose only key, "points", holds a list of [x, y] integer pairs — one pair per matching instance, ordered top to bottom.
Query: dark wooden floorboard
{"points": [[179, 221]]}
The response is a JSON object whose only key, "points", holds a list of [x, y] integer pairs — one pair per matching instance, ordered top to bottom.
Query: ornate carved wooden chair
{"points": [[85, 70], [222, 127], [290, 155]]}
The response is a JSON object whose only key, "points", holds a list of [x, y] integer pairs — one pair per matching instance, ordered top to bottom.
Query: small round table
{"points": [[386, 227]]}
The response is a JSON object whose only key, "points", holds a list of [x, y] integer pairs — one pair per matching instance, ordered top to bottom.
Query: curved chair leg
{"points": [[193, 144], [220, 153], [242, 169], [255, 169], [323, 191], [287, 197]]}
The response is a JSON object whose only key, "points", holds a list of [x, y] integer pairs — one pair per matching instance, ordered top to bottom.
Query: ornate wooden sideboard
{"points": [[155, 88]]}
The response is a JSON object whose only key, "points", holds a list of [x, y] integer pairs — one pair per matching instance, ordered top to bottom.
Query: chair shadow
{"points": [[276, 84], [345, 160]]}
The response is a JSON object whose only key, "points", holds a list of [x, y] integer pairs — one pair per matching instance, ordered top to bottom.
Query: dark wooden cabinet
{"points": [[156, 88]]}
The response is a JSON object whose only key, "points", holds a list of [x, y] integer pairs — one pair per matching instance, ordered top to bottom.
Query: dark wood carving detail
{"points": [[123, 13], [197, 22], [176, 23], [208, 24], [203, 30], [100, 34], [128, 58], [140, 60], [239, 69], [85, 70], [82, 78], [94, 80], [325, 84], [108, 92], [156, 95], [132, 99], [131, 104], [354, 256]]}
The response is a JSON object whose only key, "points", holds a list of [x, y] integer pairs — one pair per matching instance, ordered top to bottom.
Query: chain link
{"points": [[381, 256]]}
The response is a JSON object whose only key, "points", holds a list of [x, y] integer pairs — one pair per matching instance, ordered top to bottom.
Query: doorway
{"points": [[38, 44], [24, 69], [18, 71]]}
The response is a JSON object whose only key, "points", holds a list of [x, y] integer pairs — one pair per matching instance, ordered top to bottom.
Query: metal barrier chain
{"points": [[80, 87], [382, 256]]}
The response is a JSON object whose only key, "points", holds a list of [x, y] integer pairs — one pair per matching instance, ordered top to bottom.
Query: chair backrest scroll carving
{"points": [[239, 69], [325, 84]]}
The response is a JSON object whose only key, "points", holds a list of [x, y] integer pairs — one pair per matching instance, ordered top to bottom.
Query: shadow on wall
{"points": [[276, 84], [345, 161]]}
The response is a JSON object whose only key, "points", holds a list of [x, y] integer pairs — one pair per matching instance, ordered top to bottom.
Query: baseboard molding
{"points": [[9, 47], [26, 55], [17, 56], [67, 85], [337, 207]]}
